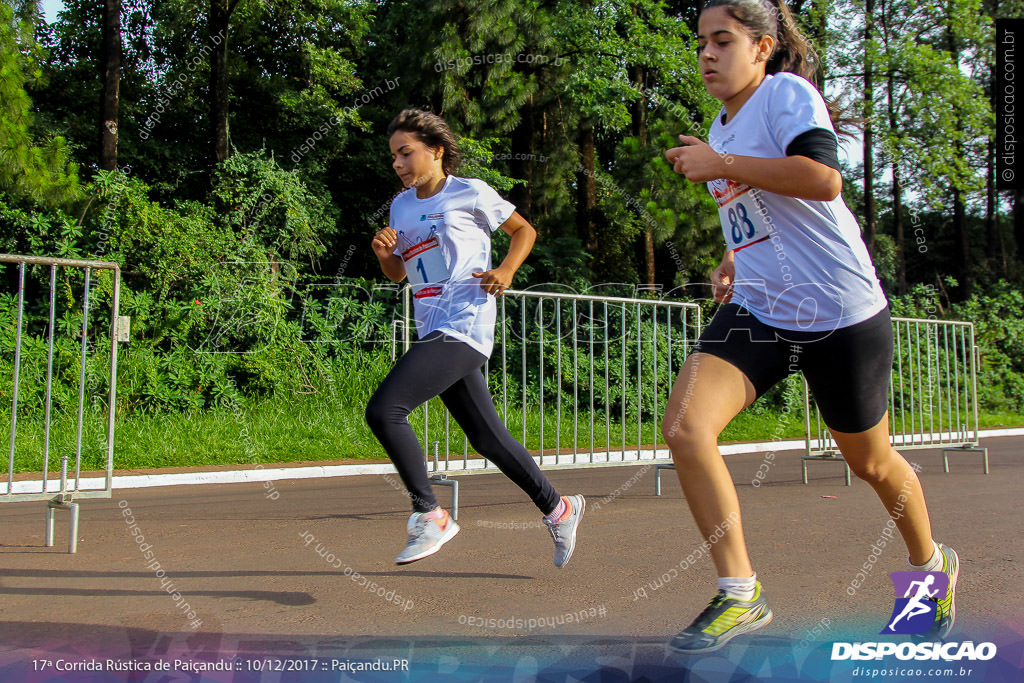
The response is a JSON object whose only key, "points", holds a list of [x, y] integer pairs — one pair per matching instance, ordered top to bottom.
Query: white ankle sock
{"points": [[932, 565], [738, 587]]}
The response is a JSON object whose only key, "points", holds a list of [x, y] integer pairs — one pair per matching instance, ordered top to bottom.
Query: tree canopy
{"points": [[564, 106]]}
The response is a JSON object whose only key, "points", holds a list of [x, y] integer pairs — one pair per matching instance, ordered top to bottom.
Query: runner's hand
{"points": [[696, 160], [384, 242], [722, 279], [495, 281]]}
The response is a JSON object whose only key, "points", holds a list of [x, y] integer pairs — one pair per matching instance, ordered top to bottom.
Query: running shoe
{"points": [[563, 532], [426, 536], [945, 610], [722, 620]]}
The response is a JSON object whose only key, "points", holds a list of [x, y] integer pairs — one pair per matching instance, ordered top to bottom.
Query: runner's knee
{"points": [[380, 413], [685, 437], [486, 444], [873, 470]]}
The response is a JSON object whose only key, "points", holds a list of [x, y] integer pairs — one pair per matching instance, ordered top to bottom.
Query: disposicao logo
{"points": [[917, 594], [914, 612], [947, 652]]}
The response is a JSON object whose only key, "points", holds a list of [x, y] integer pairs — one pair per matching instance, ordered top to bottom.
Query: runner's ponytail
{"points": [[791, 52]]}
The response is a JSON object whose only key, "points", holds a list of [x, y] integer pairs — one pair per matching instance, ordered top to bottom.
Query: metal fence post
{"points": [[915, 421], [38, 489]]}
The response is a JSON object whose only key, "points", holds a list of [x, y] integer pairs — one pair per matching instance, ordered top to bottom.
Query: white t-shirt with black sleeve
{"points": [[443, 240], [800, 264]]}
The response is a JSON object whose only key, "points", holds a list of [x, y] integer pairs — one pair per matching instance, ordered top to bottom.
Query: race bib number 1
{"points": [[425, 266]]}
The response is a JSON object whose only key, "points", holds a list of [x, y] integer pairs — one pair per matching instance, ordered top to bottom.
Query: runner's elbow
{"points": [[831, 185]]}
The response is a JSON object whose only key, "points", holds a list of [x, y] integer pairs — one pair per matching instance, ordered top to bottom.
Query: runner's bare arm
{"points": [[793, 176], [523, 235], [383, 246]]}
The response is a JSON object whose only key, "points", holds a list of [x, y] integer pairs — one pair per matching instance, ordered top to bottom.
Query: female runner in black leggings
{"points": [[440, 238]]}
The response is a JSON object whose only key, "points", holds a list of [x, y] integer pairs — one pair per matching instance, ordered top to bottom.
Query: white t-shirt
{"points": [[444, 239], [800, 264]]}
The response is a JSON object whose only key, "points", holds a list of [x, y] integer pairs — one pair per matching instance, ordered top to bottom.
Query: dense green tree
{"points": [[563, 86], [575, 101], [564, 107], [929, 114], [33, 170]]}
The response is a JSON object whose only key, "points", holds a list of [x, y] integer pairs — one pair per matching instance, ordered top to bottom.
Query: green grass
{"points": [[1000, 419], [317, 428], [310, 429], [256, 433]]}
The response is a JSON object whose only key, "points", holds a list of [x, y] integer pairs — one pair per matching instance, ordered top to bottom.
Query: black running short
{"points": [[848, 370]]}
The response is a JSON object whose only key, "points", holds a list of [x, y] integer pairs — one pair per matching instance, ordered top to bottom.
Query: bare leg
{"points": [[708, 393], [873, 459]]}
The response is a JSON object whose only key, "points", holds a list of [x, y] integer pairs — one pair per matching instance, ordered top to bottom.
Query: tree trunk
{"points": [[220, 16], [820, 35], [111, 74], [638, 109], [638, 130], [522, 163], [869, 166], [897, 181], [586, 189], [897, 210], [959, 213], [991, 219], [992, 223], [1018, 223], [993, 242], [963, 246]]}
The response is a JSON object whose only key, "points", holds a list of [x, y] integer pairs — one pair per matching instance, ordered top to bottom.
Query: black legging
{"points": [[439, 365]]}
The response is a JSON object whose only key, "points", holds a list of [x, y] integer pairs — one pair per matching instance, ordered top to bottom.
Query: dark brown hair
{"points": [[792, 51], [432, 131]]}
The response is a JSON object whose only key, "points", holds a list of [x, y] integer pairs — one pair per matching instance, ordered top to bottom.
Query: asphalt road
{"points": [[312, 571]]}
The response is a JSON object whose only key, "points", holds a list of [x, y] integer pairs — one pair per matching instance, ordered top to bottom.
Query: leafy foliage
{"points": [[42, 174], [255, 277]]}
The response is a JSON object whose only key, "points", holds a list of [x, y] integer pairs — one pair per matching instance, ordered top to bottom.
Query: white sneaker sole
{"points": [[581, 508], [448, 535], [952, 592], [738, 631]]}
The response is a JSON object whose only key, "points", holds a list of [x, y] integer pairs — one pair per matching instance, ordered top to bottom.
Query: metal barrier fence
{"points": [[617, 357], [33, 359], [933, 396]]}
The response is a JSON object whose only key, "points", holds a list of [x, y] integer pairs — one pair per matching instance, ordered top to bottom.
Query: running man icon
{"points": [[917, 595], [916, 606]]}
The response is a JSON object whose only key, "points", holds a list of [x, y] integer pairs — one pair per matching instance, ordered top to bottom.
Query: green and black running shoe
{"points": [[945, 610], [722, 620]]}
